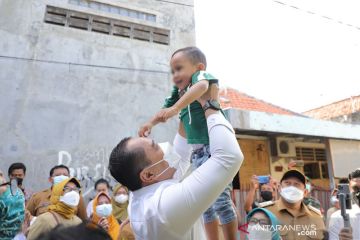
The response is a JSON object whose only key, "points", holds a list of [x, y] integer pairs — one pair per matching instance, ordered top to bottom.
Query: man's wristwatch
{"points": [[211, 104]]}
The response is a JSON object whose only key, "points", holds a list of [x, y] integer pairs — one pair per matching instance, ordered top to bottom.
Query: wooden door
{"points": [[256, 160]]}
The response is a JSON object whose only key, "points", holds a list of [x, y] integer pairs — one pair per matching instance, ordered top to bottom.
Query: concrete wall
{"points": [[54, 110]]}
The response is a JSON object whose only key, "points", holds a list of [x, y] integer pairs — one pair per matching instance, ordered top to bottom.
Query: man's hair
{"points": [[194, 54], [125, 165], [15, 166], [57, 167], [100, 181], [344, 181], [88, 231]]}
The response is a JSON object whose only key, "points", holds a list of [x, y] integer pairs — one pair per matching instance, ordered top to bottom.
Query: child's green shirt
{"points": [[194, 120]]}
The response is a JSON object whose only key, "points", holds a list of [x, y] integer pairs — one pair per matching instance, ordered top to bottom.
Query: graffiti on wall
{"points": [[88, 169]]}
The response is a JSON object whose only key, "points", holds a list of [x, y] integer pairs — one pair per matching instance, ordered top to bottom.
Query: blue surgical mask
{"points": [[59, 179], [308, 187], [104, 210]]}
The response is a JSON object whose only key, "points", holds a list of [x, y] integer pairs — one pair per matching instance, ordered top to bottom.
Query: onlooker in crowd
{"points": [[18, 170], [101, 185], [267, 193], [64, 200], [309, 200], [40, 201], [120, 202], [334, 202], [290, 209], [11, 210], [102, 215], [336, 222], [262, 225], [84, 231]]}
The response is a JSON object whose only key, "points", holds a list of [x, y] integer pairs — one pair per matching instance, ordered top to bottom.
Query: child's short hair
{"points": [[194, 54]]}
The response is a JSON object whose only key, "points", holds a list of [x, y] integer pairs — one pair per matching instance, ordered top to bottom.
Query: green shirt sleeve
{"points": [[203, 75], [174, 97]]}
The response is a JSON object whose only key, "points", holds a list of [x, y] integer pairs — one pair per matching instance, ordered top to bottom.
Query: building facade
{"points": [[78, 75]]}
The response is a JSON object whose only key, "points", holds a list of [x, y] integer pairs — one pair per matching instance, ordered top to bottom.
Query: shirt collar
{"points": [[303, 209]]}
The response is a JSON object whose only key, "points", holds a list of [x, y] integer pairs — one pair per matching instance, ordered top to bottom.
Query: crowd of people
{"points": [[179, 192], [273, 204], [26, 215]]}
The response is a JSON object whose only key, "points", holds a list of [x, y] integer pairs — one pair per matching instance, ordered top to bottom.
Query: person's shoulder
{"points": [[203, 75], [266, 204], [314, 210]]}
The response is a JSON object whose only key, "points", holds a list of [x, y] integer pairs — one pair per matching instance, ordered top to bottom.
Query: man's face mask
{"points": [[170, 155], [58, 179], [292, 194], [266, 195]]}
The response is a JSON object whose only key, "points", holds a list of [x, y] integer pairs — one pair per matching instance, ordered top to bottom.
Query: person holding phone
{"points": [[267, 192], [12, 210], [336, 223]]}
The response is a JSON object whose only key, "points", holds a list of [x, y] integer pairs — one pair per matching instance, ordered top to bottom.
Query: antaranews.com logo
{"points": [[301, 230]]}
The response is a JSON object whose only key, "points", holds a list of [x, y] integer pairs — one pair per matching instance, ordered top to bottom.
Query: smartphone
{"points": [[263, 179]]}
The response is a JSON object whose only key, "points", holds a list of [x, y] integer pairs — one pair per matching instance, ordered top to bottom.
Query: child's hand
{"points": [[167, 113], [145, 130]]}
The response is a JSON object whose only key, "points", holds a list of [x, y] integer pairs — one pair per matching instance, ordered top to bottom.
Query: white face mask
{"points": [[170, 155], [59, 179], [292, 194], [71, 198], [121, 198], [333, 200], [104, 210], [256, 232]]}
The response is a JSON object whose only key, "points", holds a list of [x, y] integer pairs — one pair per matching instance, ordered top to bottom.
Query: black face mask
{"points": [[19, 181], [266, 195]]}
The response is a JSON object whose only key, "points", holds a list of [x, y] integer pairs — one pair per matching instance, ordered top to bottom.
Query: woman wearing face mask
{"points": [[64, 200], [120, 202], [102, 215], [262, 225]]}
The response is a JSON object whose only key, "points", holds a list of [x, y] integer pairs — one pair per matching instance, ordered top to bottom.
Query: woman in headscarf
{"points": [[65, 197], [120, 202], [102, 215], [262, 225]]}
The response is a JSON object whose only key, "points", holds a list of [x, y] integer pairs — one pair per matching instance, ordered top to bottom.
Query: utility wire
{"points": [[313, 13], [83, 64]]}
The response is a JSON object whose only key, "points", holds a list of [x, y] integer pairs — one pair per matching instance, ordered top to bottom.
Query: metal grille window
{"points": [[115, 9], [94, 23], [315, 164]]}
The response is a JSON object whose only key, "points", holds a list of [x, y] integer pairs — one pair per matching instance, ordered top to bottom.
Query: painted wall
{"points": [[68, 96]]}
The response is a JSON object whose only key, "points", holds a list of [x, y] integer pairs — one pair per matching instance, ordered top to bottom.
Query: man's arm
{"points": [[250, 197], [183, 203], [336, 223]]}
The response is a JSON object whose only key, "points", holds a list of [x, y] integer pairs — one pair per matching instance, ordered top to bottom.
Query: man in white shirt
{"points": [[162, 207], [336, 221]]}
